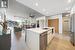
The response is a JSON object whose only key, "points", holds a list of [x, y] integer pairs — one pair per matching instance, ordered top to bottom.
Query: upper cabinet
{"points": [[29, 21], [42, 21]]}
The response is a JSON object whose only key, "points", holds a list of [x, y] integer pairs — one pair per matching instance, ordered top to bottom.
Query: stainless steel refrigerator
{"points": [[72, 28]]}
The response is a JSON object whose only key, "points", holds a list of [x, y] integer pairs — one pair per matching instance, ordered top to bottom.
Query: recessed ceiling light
{"points": [[69, 1], [36, 4]]}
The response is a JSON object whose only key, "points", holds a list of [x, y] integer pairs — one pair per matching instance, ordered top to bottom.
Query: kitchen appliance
{"points": [[38, 23], [72, 28]]}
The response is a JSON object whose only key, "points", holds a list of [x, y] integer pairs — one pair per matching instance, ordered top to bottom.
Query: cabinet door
{"points": [[54, 23], [43, 41], [5, 42]]}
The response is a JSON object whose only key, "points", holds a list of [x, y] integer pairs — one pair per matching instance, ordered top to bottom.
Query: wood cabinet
{"points": [[54, 23], [36, 40], [43, 41]]}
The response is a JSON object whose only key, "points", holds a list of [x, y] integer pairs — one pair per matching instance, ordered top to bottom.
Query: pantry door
{"points": [[54, 23]]}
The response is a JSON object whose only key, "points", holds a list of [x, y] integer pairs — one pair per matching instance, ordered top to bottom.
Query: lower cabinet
{"points": [[72, 35], [36, 40], [43, 41], [5, 42]]}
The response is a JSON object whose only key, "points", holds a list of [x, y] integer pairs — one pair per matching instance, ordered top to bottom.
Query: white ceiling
{"points": [[49, 7], [21, 8]]}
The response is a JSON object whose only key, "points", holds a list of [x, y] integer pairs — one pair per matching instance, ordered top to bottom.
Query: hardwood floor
{"points": [[60, 44]]}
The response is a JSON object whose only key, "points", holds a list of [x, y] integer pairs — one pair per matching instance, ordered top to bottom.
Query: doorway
{"points": [[54, 23], [66, 25]]}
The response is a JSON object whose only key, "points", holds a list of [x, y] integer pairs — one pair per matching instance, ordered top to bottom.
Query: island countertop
{"points": [[40, 30]]}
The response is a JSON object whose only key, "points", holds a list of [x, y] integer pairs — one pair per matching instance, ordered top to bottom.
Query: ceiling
{"points": [[49, 7], [21, 8]]}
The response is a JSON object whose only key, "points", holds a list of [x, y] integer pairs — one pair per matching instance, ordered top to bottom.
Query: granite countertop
{"points": [[40, 30]]}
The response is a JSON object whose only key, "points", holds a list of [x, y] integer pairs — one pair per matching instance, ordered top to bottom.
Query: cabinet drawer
{"points": [[49, 32], [43, 34], [43, 41]]}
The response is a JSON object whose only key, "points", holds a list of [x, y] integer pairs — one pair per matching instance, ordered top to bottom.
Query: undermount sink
{"points": [[45, 28]]}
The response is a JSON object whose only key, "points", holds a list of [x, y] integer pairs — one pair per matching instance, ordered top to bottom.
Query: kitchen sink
{"points": [[45, 28]]}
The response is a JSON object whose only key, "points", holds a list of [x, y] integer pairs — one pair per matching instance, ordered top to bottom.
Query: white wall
{"points": [[73, 9], [40, 18], [42, 21], [60, 21]]}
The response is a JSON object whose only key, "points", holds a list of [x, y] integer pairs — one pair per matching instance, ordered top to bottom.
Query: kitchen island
{"points": [[37, 38]]}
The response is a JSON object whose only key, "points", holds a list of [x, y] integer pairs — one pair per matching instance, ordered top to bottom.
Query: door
{"points": [[54, 23], [66, 25]]}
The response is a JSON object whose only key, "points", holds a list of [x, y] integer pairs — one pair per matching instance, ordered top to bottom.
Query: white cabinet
{"points": [[42, 22], [50, 36], [32, 40], [36, 41]]}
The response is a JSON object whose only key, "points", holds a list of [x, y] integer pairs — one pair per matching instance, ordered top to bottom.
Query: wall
{"points": [[73, 9], [42, 21], [60, 21]]}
